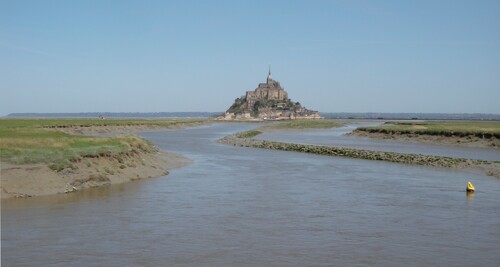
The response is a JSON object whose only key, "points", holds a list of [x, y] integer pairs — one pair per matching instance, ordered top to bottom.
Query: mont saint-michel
{"points": [[269, 101]]}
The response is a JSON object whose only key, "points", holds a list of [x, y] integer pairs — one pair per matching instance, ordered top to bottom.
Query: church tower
{"points": [[269, 78]]}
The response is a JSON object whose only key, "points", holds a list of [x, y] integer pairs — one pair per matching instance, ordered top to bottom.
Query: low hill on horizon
{"points": [[116, 115], [327, 115]]}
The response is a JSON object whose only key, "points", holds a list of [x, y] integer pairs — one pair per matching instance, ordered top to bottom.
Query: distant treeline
{"points": [[117, 115], [413, 116]]}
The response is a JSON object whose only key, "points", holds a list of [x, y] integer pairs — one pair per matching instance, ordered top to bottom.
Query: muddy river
{"points": [[252, 207]]}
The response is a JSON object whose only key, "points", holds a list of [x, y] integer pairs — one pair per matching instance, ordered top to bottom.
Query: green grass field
{"points": [[483, 129], [24, 141]]}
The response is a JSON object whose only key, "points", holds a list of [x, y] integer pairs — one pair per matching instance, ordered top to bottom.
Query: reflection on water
{"points": [[470, 197], [250, 207]]}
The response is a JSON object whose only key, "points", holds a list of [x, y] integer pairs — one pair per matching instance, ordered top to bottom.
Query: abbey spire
{"points": [[269, 78]]}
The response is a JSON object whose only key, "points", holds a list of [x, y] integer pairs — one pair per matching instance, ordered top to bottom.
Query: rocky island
{"points": [[269, 101]]}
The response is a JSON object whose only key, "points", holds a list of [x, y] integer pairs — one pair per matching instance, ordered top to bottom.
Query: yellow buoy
{"points": [[470, 187]]}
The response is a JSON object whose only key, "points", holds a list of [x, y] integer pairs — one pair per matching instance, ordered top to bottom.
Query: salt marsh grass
{"points": [[304, 124], [482, 129], [28, 141]]}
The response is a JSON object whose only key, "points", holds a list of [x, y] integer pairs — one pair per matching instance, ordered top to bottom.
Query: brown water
{"points": [[250, 207]]}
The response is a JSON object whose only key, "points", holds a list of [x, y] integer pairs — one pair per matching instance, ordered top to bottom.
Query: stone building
{"points": [[271, 90], [269, 101]]}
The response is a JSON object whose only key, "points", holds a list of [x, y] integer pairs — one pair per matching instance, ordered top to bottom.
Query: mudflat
{"points": [[481, 134], [246, 139], [43, 157], [29, 180]]}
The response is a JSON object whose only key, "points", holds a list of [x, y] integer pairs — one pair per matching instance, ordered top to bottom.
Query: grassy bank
{"points": [[303, 124], [481, 129], [248, 134], [28, 141]]}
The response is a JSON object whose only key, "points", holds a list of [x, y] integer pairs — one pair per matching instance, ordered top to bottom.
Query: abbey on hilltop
{"points": [[269, 101]]}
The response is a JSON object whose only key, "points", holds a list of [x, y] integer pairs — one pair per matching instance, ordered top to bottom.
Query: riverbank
{"points": [[463, 133], [466, 141], [43, 157], [491, 168], [30, 180]]}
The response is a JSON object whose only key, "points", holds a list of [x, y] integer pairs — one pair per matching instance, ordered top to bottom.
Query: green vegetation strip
{"points": [[66, 123], [303, 124], [481, 129], [248, 134], [29, 141], [416, 159]]}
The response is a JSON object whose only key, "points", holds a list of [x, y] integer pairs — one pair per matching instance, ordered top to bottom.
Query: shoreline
{"points": [[465, 141], [490, 168], [38, 179], [31, 180]]}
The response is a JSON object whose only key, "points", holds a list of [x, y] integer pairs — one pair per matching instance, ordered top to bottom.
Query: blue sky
{"points": [[332, 56]]}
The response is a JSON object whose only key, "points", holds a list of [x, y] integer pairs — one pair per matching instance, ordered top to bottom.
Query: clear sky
{"points": [[332, 56]]}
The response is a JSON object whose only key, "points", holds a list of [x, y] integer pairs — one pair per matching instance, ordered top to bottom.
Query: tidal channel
{"points": [[253, 207]]}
